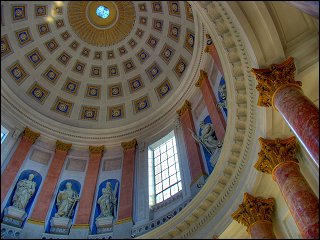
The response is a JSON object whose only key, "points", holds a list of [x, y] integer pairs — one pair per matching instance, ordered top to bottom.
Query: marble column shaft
{"points": [[211, 49], [301, 115], [218, 121], [193, 150], [14, 165], [127, 182], [49, 185], [89, 186], [301, 200], [261, 230]]}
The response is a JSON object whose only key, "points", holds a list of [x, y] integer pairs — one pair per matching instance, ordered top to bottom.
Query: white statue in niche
{"points": [[208, 140], [25, 190], [66, 200], [108, 201]]}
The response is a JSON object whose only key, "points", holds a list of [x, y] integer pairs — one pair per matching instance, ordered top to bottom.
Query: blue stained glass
{"points": [[102, 12]]}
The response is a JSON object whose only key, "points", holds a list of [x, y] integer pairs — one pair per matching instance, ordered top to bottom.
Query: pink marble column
{"points": [[211, 49], [277, 87], [301, 115], [218, 121], [193, 151], [13, 167], [49, 185], [89, 186], [302, 202], [125, 211], [261, 230]]}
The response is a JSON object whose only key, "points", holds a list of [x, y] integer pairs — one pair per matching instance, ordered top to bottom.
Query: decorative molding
{"points": [[202, 76], [271, 79], [186, 106], [28, 134], [129, 145], [63, 146], [96, 149], [274, 152], [253, 209]]}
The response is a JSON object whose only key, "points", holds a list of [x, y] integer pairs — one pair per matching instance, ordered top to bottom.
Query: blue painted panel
{"points": [[222, 82], [25, 175], [75, 186], [97, 210]]}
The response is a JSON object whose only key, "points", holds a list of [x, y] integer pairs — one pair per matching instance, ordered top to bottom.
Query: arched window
{"points": [[4, 133], [164, 169]]}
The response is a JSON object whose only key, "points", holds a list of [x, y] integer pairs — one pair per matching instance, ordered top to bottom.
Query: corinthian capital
{"points": [[202, 76], [271, 79], [186, 106], [27, 133], [129, 145], [63, 146], [96, 149], [274, 152], [253, 209]]}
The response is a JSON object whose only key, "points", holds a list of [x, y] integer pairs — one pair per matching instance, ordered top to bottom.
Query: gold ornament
{"points": [[202, 76], [271, 79], [186, 106], [27, 133], [129, 145], [63, 146], [96, 149], [274, 152], [253, 209]]}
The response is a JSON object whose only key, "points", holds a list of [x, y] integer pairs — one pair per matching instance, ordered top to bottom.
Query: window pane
{"points": [[169, 143], [163, 148], [175, 150], [156, 152], [170, 152], [163, 156], [157, 160], [171, 161], [164, 165], [177, 167], [157, 169], [172, 170], [165, 174], [178, 176], [158, 178], [173, 179], [165, 183], [179, 186], [158, 188], [174, 189], [166, 194], [159, 198]]}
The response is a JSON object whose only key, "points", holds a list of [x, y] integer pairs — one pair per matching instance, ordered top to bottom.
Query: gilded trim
{"points": [[202, 77], [186, 106], [28, 134], [129, 145], [63, 146], [96, 149], [128, 219], [34, 221], [83, 225]]}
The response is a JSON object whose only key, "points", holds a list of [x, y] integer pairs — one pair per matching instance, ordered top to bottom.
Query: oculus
{"points": [[102, 12]]}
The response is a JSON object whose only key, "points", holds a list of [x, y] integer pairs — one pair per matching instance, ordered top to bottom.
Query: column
{"points": [[308, 7], [211, 49], [277, 88], [215, 113], [277, 157], [196, 166], [9, 174], [127, 182], [49, 185], [89, 187], [255, 214]]}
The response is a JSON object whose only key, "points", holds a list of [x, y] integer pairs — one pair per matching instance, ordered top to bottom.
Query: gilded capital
{"points": [[207, 49], [202, 76], [271, 79], [186, 106], [27, 133], [129, 145], [63, 146], [96, 149], [274, 152], [253, 209]]}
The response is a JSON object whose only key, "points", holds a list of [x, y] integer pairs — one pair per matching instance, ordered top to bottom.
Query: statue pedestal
{"points": [[14, 216], [104, 224], [60, 225]]}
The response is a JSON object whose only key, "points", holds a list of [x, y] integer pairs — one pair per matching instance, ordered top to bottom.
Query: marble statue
{"points": [[208, 140], [25, 190], [66, 201], [108, 201]]}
